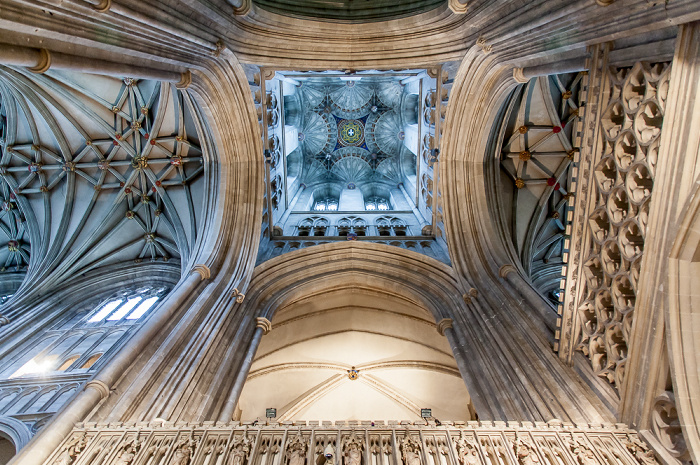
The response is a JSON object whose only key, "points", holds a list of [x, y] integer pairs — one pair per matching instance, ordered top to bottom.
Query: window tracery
{"points": [[377, 203], [326, 205], [352, 225], [315, 226], [387, 226], [78, 343]]}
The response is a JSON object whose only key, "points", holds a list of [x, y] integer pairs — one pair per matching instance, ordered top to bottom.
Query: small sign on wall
{"points": [[271, 412], [426, 413]]}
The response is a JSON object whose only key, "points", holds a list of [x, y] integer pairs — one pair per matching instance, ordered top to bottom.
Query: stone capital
{"points": [[458, 7], [44, 62], [519, 76], [185, 80], [203, 270], [505, 270], [4, 320], [264, 324], [443, 325], [99, 386]]}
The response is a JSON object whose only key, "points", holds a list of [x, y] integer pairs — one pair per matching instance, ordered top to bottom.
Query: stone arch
{"points": [[336, 307], [683, 320], [16, 431]]}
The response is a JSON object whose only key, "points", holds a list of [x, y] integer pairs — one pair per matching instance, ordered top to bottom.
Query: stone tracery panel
{"points": [[630, 128], [352, 443]]}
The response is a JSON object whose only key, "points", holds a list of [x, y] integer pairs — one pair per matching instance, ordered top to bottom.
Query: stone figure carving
{"points": [[240, 448], [72, 450], [184, 450], [353, 450], [296, 451], [410, 451], [640, 451], [128, 452], [467, 453], [525, 453], [584, 455]]}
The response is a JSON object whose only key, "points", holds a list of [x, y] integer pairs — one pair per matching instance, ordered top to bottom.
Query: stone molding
{"points": [[103, 6], [17, 431]]}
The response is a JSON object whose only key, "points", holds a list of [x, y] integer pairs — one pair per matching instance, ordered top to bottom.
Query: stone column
{"points": [[41, 60], [549, 317], [262, 327], [444, 327], [50, 437]]}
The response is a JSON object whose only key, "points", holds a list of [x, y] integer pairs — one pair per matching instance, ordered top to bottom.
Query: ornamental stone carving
{"points": [[630, 129], [72, 450], [239, 450], [296, 450], [410, 450], [184, 451], [352, 452], [467, 452]]}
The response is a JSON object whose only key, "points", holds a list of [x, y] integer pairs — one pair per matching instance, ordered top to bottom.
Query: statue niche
{"points": [[352, 450], [296, 451]]}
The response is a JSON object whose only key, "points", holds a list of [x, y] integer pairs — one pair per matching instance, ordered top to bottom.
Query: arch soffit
{"points": [[318, 49], [221, 90], [470, 230], [399, 273], [683, 320]]}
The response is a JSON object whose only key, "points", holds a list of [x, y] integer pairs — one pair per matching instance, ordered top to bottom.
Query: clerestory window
{"points": [[377, 203], [326, 205]]}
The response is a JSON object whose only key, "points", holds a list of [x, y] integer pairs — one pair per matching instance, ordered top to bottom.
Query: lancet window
{"points": [[326, 205]]}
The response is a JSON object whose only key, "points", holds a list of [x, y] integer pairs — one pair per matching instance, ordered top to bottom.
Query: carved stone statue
{"points": [[240, 449], [72, 450], [184, 450], [353, 450], [296, 451], [410, 451], [128, 452], [641, 452], [467, 453], [526, 453], [584, 455]]}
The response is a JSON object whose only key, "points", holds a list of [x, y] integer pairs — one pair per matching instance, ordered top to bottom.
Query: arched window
{"points": [[377, 203], [330, 205], [352, 225], [387, 226], [312, 227], [126, 307], [79, 341]]}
